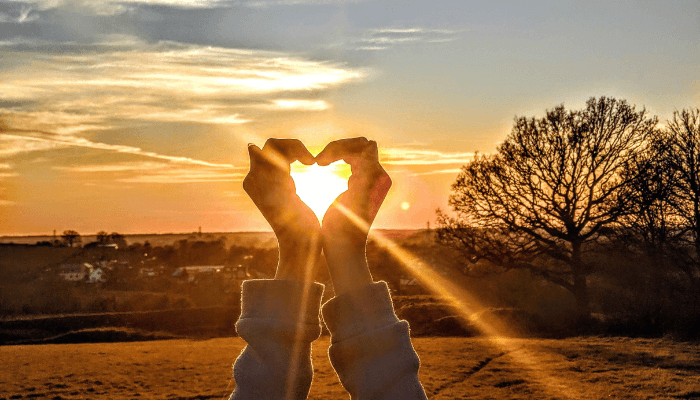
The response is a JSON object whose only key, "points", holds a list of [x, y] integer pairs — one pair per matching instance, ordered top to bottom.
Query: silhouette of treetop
{"points": [[553, 185]]}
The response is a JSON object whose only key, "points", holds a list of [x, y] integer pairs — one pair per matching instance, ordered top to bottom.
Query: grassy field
{"points": [[452, 368]]}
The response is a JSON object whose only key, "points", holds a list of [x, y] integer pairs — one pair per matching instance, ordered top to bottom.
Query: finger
{"points": [[348, 150], [371, 151], [283, 152], [255, 155]]}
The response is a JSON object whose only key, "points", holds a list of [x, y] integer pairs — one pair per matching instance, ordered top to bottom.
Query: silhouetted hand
{"points": [[272, 189], [346, 223]]}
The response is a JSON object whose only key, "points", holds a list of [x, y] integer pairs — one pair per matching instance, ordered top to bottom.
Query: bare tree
{"points": [[683, 159], [548, 193], [649, 228], [71, 237], [103, 237], [118, 239]]}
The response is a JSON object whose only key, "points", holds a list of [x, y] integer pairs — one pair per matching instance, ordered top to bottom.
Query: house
{"points": [[203, 269], [75, 272], [148, 272], [225, 273], [96, 276]]}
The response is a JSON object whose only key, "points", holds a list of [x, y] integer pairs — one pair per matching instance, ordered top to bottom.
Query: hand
{"points": [[272, 189], [346, 223]]}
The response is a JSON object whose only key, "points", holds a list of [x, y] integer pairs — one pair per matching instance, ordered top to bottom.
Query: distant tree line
{"points": [[578, 193], [71, 238]]}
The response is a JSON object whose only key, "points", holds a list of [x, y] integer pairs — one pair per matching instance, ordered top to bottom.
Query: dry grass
{"points": [[453, 368]]}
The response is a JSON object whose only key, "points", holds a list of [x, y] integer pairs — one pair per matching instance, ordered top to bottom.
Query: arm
{"points": [[279, 317], [279, 320], [370, 347]]}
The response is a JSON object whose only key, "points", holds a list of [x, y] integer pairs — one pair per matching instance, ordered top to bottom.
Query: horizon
{"points": [[136, 115], [58, 234]]}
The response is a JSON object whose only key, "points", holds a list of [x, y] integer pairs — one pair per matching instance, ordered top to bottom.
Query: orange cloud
{"points": [[83, 87], [13, 144], [413, 156], [159, 172]]}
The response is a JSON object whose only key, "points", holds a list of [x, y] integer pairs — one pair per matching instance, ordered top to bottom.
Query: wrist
{"points": [[298, 261], [349, 271]]}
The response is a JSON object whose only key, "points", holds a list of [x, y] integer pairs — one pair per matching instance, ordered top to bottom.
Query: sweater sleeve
{"points": [[279, 320], [371, 348]]}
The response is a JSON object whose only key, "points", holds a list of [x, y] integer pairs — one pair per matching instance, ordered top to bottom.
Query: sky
{"points": [[134, 116]]}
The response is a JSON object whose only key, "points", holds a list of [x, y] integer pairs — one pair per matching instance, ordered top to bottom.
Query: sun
{"points": [[318, 186]]}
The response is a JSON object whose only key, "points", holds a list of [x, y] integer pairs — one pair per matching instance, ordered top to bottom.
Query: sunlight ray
{"points": [[464, 303], [297, 350]]}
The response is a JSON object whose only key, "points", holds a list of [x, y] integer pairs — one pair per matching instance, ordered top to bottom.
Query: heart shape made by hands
{"points": [[318, 186]]}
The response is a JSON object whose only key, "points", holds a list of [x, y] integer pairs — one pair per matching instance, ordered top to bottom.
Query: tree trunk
{"points": [[580, 283], [583, 306]]}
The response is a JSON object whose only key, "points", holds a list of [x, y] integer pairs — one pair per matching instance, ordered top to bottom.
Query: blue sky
{"points": [[134, 116]]}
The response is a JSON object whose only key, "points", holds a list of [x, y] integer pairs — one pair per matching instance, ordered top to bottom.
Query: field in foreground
{"points": [[452, 368]]}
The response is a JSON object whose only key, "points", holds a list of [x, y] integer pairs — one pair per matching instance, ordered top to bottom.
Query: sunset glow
{"points": [[151, 104], [319, 186], [520, 222]]}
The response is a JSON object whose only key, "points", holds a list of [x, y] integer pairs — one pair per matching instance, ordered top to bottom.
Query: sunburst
{"points": [[318, 186]]}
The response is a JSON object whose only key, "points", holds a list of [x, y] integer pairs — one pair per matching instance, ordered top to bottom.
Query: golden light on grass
{"points": [[319, 186], [469, 309]]}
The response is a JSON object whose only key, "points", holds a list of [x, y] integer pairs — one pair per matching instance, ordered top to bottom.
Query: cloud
{"points": [[177, 3], [269, 3], [98, 7], [113, 7], [21, 15], [408, 31], [384, 38], [372, 48], [70, 88], [297, 105], [13, 144], [410, 156], [116, 167], [4, 168], [441, 171], [158, 172], [186, 176], [4, 203]]}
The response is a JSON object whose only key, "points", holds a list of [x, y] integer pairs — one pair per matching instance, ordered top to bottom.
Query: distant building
{"points": [[103, 246], [201, 269], [75, 272], [148, 272], [226, 273], [97, 276]]}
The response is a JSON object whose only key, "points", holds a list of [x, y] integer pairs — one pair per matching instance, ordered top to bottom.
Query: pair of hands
{"points": [[343, 234]]}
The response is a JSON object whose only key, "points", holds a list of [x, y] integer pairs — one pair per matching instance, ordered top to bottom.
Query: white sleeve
{"points": [[279, 320], [371, 348]]}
